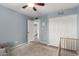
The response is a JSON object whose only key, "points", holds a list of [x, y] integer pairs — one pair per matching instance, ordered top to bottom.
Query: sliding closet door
{"points": [[64, 26]]}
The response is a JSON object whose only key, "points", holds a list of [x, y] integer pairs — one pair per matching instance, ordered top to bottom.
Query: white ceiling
{"points": [[47, 9]]}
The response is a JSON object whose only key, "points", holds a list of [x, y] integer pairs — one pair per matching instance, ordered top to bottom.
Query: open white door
{"points": [[36, 29], [30, 30]]}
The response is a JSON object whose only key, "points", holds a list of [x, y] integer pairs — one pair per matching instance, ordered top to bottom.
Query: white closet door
{"points": [[65, 26]]}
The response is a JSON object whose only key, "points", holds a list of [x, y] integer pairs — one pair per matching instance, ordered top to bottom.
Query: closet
{"points": [[62, 26]]}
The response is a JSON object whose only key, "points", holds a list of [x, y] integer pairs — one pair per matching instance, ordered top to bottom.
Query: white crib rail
{"points": [[67, 44]]}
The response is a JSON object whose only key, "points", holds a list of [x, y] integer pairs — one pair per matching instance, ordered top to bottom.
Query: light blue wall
{"points": [[78, 22], [78, 25], [13, 26], [44, 29], [78, 30], [44, 33]]}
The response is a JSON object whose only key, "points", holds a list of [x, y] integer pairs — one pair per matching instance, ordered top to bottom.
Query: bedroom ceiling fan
{"points": [[32, 5]]}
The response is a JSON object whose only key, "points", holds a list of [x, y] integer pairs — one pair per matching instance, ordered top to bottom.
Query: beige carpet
{"points": [[34, 49], [37, 49]]}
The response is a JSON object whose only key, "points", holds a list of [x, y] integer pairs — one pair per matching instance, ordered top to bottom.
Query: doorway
{"points": [[33, 30]]}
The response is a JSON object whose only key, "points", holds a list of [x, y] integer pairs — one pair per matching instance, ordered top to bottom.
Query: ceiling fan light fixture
{"points": [[30, 4]]}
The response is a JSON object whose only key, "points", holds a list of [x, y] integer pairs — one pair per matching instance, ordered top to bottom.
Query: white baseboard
{"points": [[18, 45]]}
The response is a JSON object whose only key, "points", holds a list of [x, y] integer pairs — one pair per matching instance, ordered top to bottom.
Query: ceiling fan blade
{"points": [[40, 4], [25, 6], [34, 9]]}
